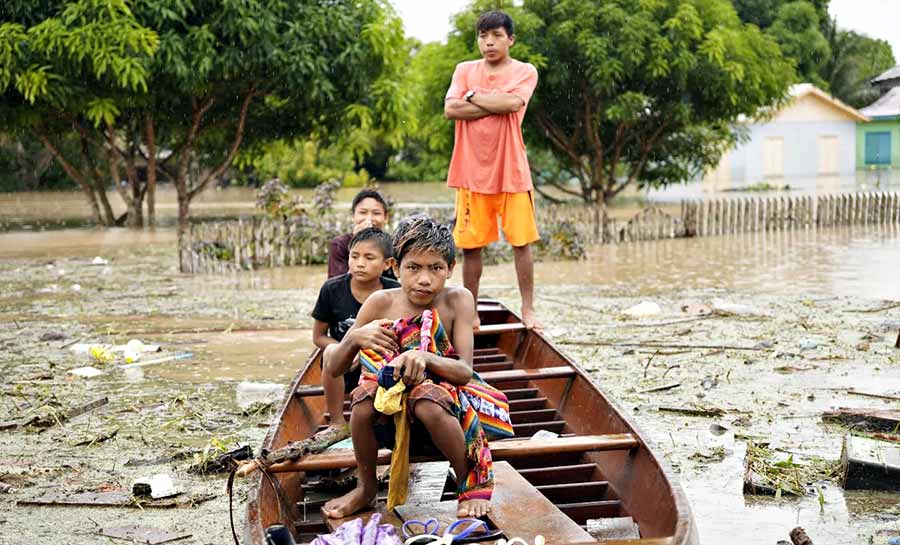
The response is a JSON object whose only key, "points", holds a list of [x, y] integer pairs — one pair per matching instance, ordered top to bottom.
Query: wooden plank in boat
{"points": [[496, 329], [541, 373], [491, 377], [500, 450], [559, 474], [426, 482], [521, 511]]}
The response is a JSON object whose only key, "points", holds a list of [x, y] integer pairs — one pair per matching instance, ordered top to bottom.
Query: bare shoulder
{"points": [[383, 299], [459, 300]]}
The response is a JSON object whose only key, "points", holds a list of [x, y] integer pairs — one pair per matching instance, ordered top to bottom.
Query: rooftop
{"points": [[893, 73], [886, 106]]}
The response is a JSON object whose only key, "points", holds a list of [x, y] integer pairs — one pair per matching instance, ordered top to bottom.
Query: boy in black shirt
{"points": [[340, 299]]}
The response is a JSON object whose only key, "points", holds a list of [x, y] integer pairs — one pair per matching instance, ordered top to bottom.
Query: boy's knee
{"points": [[363, 411], [427, 411]]}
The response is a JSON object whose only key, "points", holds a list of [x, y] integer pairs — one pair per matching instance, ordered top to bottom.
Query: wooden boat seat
{"points": [[496, 329], [491, 377], [507, 449], [518, 509]]}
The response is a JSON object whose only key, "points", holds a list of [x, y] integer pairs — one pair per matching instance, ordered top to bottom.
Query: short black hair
{"points": [[490, 20], [368, 194], [421, 233], [381, 239]]}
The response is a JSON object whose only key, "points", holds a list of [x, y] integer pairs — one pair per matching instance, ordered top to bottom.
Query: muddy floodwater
{"points": [[819, 303]]}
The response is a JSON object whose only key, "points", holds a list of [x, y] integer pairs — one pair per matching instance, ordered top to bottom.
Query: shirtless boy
{"points": [[425, 256]]}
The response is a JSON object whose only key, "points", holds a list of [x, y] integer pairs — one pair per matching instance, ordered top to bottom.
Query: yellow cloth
{"points": [[393, 401]]}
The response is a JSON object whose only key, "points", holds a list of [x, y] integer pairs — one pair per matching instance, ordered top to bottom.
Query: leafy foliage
{"points": [[763, 13], [796, 29], [854, 60], [839, 61], [195, 80], [646, 92], [301, 163]]}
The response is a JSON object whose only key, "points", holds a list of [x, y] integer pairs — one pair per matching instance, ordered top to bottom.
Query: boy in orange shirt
{"points": [[489, 169]]}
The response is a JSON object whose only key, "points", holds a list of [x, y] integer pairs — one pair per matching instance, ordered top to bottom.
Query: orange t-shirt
{"points": [[489, 153]]}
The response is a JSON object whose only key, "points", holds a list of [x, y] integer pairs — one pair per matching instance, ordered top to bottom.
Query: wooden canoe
{"points": [[600, 468]]}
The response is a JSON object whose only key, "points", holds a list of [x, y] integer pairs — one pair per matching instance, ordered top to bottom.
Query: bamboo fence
{"points": [[248, 243]]}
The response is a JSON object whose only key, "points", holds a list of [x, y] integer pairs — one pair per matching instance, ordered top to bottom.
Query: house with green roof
{"points": [[878, 140]]}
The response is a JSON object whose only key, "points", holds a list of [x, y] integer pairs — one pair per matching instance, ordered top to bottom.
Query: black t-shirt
{"points": [[337, 307]]}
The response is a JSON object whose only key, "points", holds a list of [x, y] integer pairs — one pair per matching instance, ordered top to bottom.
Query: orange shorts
{"points": [[476, 218]]}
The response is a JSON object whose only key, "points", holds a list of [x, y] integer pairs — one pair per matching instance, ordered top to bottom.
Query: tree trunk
{"points": [[151, 172], [75, 175], [104, 201], [184, 205], [136, 213]]}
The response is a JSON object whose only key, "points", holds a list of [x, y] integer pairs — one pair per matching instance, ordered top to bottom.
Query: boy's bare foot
{"points": [[530, 320], [476, 323], [352, 502], [473, 508]]}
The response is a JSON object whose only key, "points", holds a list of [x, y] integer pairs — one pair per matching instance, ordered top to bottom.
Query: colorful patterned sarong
{"points": [[464, 402]]}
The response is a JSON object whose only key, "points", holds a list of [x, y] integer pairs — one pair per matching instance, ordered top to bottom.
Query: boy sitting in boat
{"points": [[339, 302], [421, 335]]}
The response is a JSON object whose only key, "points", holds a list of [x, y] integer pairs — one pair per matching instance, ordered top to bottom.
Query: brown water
{"points": [[54, 209], [37, 210], [844, 261], [808, 283]]}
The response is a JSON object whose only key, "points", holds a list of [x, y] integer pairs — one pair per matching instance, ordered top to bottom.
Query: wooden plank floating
{"points": [[249, 243], [867, 419]]}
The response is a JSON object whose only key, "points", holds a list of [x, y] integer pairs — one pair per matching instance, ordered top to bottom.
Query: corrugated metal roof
{"points": [[893, 73], [886, 106]]}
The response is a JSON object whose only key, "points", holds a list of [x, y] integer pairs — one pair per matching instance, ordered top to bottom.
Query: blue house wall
{"points": [[801, 149]]}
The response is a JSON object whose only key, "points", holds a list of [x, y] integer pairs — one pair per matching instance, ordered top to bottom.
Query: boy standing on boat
{"points": [[489, 169], [368, 209], [340, 300], [432, 326]]}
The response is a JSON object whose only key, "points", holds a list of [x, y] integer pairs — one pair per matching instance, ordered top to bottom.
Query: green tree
{"points": [[763, 13], [797, 30], [854, 60], [61, 65], [209, 75], [645, 93], [425, 155]]}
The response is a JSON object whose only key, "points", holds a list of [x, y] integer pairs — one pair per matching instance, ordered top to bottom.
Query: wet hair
{"points": [[490, 20], [368, 194], [421, 233], [381, 239]]}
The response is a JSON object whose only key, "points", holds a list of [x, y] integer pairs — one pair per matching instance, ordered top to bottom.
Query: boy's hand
{"points": [[364, 224], [378, 336], [413, 365]]}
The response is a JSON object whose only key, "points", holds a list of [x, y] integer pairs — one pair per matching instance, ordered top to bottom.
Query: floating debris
{"points": [[643, 310], [85, 372], [690, 411], [866, 419], [868, 464], [764, 474], [158, 486], [120, 498], [142, 534]]}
